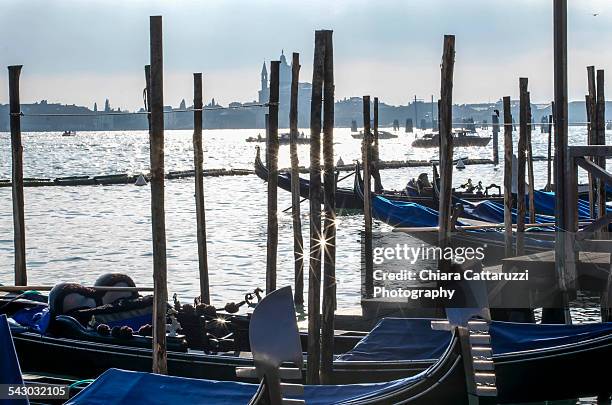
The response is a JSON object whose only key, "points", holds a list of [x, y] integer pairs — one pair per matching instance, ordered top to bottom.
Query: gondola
{"points": [[345, 198], [348, 200], [400, 214], [274, 336], [395, 348], [443, 384]]}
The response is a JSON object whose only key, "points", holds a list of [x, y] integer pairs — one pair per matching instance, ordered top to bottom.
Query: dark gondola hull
{"points": [[347, 199], [80, 359], [559, 372]]}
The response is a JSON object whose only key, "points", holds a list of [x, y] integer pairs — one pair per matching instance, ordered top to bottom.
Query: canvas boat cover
{"points": [[494, 212], [404, 214], [413, 339], [10, 373], [129, 387]]}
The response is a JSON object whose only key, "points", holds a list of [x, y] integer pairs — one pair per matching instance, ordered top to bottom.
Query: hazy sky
{"points": [[77, 51]]}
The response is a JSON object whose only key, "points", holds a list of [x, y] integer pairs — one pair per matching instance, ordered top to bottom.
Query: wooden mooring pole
{"points": [[590, 100], [445, 119], [495, 122], [600, 139], [272, 142], [446, 146], [522, 147], [529, 155], [549, 157], [198, 161], [17, 176], [378, 187], [367, 201], [158, 221], [329, 234], [298, 241], [509, 252], [314, 270], [559, 312]]}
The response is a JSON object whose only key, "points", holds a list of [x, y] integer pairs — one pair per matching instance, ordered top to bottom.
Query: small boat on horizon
{"points": [[69, 133], [381, 135], [460, 138], [283, 139]]}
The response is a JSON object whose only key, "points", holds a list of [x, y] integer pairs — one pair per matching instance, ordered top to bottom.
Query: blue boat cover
{"points": [[544, 202], [494, 212], [404, 214], [34, 318], [509, 337], [400, 339], [413, 339], [10, 373], [129, 387]]}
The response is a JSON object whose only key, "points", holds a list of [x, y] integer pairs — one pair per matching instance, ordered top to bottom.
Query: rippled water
{"points": [[78, 233]]}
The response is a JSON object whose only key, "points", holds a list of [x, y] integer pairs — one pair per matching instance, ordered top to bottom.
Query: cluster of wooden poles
{"points": [[155, 107], [322, 224], [322, 227], [322, 238]]}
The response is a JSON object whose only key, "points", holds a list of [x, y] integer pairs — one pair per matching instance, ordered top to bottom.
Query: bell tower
{"points": [[264, 78]]}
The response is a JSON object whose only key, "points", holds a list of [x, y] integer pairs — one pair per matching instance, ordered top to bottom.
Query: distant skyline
{"points": [[86, 51]]}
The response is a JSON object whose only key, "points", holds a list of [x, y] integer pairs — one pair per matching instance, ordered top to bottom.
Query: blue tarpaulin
{"points": [[544, 202], [494, 212], [404, 214], [34, 318], [508, 337], [397, 339], [413, 339], [10, 373], [129, 387]]}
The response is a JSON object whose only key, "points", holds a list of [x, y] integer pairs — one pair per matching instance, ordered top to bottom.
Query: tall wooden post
{"points": [[147, 70], [591, 100], [495, 122], [267, 132], [600, 139], [272, 142], [446, 143], [522, 146], [529, 155], [549, 159], [198, 160], [508, 177], [17, 180], [378, 188], [563, 196], [367, 200], [158, 221], [329, 234], [298, 242], [314, 270]]}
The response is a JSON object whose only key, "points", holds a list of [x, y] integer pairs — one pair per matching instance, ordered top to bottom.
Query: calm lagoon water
{"points": [[78, 233]]}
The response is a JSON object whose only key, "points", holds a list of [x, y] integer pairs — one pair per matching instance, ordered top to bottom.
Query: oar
{"points": [[347, 176], [304, 199], [301, 201]]}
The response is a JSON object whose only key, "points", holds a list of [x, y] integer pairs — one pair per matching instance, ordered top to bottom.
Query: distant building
{"points": [[304, 93]]}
